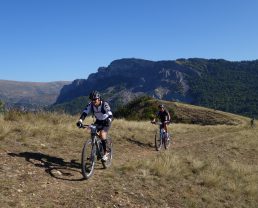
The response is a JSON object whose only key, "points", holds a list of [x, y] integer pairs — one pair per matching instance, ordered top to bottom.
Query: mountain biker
{"points": [[102, 112], [164, 118], [252, 121]]}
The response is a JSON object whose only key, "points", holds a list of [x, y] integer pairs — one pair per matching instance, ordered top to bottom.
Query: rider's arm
{"points": [[85, 112], [108, 114], [168, 116], [155, 118]]}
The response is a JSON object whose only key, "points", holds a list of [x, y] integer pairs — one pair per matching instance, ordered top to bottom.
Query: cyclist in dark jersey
{"points": [[102, 112], [164, 117], [252, 122]]}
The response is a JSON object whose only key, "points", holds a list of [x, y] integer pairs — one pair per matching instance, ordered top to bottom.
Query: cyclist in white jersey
{"points": [[102, 112]]}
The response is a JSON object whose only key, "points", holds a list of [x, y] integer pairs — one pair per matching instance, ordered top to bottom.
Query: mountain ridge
{"points": [[135, 75], [215, 83], [30, 94]]}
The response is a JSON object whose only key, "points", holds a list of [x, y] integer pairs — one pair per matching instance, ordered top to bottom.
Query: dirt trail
{"points": [[50, 179]]}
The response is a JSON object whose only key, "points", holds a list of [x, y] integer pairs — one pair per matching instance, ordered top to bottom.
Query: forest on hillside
{"points": [[224, 85]]}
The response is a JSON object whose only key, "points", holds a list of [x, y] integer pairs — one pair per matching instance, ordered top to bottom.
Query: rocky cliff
{"points": [[127, 78], [214, 83]]}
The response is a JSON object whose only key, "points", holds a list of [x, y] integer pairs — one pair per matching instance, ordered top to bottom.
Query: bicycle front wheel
{"points": [[158, 141], [167, 141], [88, 159]]}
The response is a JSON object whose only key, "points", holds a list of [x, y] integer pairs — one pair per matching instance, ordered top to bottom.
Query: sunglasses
{"points": [[95, 99]]}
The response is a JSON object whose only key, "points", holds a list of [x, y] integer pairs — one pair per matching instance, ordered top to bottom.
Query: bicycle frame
{"points": [[162, 133], [95, 140], [162, 140], [92, 149]]}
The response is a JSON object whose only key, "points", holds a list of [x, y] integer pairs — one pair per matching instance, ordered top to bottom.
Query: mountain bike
{"points": [[162, 138], [92, 150]]}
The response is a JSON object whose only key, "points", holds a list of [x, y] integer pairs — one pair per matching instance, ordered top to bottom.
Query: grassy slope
{"points": [[208, 166]]}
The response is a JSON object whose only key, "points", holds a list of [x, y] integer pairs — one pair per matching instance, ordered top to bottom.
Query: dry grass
{"points": [[219, 163], [208, 166]]}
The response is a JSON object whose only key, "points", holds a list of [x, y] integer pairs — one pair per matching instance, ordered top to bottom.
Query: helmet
{"points": [[94, 95], [161, 106]]}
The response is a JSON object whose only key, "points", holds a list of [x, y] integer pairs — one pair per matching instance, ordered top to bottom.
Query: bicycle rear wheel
{"points": [[158, 141], [109, 146], [88, 159]]}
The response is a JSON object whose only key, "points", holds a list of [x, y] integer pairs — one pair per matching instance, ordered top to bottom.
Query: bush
{"points": [[1, 106]]}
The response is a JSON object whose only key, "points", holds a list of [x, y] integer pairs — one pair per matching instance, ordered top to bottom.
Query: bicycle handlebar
{"points": [[159, 123], [90, 126]]}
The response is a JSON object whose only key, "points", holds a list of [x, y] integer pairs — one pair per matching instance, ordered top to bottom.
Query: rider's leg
{"points": [[166, 129], [103, 137]]}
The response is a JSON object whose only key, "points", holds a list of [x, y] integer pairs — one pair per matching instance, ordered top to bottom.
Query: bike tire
{"points": [[158, 141], [167, 141], [109, 146], [88, 159]]}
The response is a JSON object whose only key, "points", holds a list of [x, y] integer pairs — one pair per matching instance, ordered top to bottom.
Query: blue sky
{"points": [[51, 40]]}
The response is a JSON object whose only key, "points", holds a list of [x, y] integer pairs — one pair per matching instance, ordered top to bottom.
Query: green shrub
{"points": [[1, 106]]}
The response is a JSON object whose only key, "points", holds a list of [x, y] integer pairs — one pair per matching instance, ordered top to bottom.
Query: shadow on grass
{"points": [[139, 143], [55, 166]]}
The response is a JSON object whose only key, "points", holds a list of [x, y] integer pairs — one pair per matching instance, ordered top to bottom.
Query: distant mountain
{"points": [[125, 79], [214, 83], [30, 94]]}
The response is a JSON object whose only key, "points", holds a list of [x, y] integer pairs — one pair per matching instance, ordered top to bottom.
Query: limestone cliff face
{"points": [[129, 77], [214, 83]]}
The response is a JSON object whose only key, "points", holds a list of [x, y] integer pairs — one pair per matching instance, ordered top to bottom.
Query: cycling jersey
{"points": [[101, 113], [163, 116]]}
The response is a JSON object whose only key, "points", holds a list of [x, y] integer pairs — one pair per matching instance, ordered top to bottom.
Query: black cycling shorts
{"points": [[102, 125]]}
